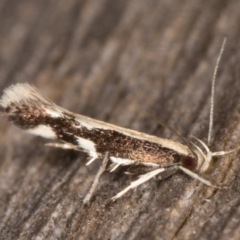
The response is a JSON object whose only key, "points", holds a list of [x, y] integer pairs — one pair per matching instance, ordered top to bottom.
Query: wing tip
{"points": [[17, 93]]}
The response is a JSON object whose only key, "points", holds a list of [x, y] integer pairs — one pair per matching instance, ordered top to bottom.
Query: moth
{"points": [[24, 105]]}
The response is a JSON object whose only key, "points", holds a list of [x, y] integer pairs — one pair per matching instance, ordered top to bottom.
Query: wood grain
{"points": [[113, 60]]}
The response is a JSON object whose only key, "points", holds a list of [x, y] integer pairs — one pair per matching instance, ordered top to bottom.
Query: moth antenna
{"points": [[213, 91], [173, 131]]}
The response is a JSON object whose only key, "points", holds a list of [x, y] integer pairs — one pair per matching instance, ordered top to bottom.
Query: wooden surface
{"points": [[113, 60]]}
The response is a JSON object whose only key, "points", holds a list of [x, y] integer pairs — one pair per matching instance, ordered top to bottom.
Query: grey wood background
{"points": [[113, 60]]}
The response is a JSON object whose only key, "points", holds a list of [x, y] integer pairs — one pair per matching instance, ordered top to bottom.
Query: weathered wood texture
{"points": [[113, 60]]}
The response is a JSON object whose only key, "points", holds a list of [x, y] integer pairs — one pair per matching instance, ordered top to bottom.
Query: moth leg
{"points": [[62, 145], [92, 160], [113, 167], [140, 170], [167, 173], [196, 176], [142, 179], [88, 197]]}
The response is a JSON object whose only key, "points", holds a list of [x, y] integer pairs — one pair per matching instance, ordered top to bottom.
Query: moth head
{"points": [[204, 155], [199, 158], [189, 162]]}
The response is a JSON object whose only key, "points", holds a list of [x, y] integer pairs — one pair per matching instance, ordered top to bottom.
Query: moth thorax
{"points": [[189, 162]]}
